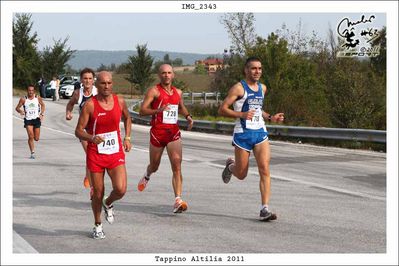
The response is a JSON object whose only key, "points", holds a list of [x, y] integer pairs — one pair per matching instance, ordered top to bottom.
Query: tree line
{"points": [[305, 78]]}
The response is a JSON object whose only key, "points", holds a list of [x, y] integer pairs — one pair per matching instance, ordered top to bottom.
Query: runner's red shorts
{"points": [[160, 137], [97, 162]]}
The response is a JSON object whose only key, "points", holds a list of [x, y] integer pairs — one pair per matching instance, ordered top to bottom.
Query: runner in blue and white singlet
{"points": [[80, 96], [250, 134]]}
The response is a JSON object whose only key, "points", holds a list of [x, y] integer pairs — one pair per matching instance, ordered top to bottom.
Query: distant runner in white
{"points": [[33, 112]]}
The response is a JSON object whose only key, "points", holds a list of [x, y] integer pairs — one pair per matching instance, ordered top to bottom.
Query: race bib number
{"points": [[170, 116], [256, 122], [110, 145]]}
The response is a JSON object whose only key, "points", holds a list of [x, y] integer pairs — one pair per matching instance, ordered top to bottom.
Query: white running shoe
{"points": [[179, 206], [108, 212], [98, 232]]}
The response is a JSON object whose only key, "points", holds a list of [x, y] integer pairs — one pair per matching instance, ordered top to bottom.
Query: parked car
{"points": [[64, 81], [67, 90]]}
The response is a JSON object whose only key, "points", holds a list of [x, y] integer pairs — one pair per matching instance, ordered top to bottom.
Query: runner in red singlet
{"points": [[164, 102], [100, 117]]}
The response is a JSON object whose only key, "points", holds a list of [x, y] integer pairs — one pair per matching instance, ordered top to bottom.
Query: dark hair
{"points": [[251, 59], [87, 70], [30, 85]]}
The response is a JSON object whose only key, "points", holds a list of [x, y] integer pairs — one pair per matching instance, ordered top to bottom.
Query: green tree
{"points": [[241, 30], [54, 59], [166, 59], [177, 62], [26, 63], [379, 63], [102, 67], [140, 69], [200, 69], [180, 84]]}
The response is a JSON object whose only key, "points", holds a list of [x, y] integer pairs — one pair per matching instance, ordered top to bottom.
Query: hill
{"points": [[94, 58]]}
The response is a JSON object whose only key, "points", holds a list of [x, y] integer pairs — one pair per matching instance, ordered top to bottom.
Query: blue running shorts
{"points": [[248, 140]]}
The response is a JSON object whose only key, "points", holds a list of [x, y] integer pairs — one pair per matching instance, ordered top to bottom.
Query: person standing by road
{"points": [[53, 87], [57, 89], [80, 97], [164, 102], [33, 112], [99, 125], [250, 133]]}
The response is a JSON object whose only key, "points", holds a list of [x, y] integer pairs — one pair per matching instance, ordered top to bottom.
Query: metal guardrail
{"points": [[203, 95], [378, 136]]}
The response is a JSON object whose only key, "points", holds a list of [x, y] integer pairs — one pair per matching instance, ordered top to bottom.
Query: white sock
{"points": [[146, 175], [177, 198], [264, 206]]}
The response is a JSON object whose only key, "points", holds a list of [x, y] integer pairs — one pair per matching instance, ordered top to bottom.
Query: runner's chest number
{"points": [[170, 115], [110, 145]]}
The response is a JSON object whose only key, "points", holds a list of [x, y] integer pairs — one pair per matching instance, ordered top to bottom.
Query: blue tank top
{"points": [[251, 100]]}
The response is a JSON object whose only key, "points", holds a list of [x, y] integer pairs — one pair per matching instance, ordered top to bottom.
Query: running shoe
{"points": [[32, 156], [226, 175], [86, 182], [142, 183], [180, 206], [108, 212], [266, 215], [98, 232]]}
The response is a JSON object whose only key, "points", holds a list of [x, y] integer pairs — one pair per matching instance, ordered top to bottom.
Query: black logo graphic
{"points": [[357, 37]]}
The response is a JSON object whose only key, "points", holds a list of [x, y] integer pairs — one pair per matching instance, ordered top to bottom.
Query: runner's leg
{"points": [[29, 130], [36, 132], [175, 156], [262, 156], [155, 159], [240, 167], [88, 175], [119, 183], [98, 194]]}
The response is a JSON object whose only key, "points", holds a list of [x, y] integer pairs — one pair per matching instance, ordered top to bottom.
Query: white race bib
{"points": [[170, 116], [257, 120], [110, 144]]}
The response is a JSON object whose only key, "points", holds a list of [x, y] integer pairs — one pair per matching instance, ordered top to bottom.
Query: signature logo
{"points": [[357, 37]]}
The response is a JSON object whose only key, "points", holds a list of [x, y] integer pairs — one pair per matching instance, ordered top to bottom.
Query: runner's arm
{"points": [[234, 93], [150, 96], [18, 107], [42, 107], [69, 107], [183, 111], [84, 116], [278, 117], [127, 121]]}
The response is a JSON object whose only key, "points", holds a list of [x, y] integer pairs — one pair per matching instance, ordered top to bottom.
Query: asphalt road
{"points": [[328, 200]]}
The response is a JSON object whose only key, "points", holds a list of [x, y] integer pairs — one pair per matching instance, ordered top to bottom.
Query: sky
{"points": [[175, 32]]}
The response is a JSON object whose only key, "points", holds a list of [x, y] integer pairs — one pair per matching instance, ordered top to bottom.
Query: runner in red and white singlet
{"points": [[164, 102], [164, 124], [99, 125]]}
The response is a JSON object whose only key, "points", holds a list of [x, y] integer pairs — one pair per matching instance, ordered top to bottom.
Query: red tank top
{"points": [[166, 119], [105, 121]]}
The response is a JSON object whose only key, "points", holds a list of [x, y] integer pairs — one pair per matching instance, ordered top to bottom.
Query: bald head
{"points": [[104, 74], [165, 74], [104, 83]]}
